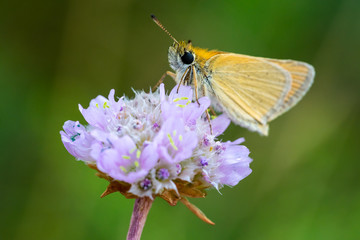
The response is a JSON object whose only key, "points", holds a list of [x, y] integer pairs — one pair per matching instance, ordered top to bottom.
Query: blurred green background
{"points": [[56, 54]]}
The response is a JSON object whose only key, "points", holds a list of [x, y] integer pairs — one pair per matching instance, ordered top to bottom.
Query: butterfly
{"points": [[252, 91]]}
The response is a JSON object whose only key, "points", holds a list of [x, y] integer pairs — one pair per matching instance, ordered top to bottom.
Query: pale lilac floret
{"points": [[179, 104], [103, 112], [220, 124], [77, 140], [104, 141], [173, 142], [125, 162], [234, 164]]}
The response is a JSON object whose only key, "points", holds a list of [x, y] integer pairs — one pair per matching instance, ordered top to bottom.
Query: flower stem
{"points": [[141, 209]]}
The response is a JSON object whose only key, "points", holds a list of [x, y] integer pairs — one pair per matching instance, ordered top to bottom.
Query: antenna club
{"points": [[153, 17]]}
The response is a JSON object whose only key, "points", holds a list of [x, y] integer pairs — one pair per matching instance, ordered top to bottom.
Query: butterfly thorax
{"points": [[203, 55]]}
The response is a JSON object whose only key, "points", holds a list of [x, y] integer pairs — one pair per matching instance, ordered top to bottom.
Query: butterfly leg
{"points": [[167, 73], [182, 79], [195, 84], [210, 108], [212, 111], [207, 112], [208, 118]]}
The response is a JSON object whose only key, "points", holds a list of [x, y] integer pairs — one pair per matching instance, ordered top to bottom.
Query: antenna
{"points": [[162, 27]]}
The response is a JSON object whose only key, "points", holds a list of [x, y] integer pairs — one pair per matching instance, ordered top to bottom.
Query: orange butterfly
{"points": [[252, 91]]}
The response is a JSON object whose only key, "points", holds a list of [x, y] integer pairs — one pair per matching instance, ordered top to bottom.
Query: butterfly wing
{"points": [[302, 75], [250, 90]]}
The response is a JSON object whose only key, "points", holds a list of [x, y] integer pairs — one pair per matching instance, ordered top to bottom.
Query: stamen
{"points": [[180, 98], [106, 105], [180, 105], [73, 138], [172, 143], [138, 153], [125, 157], [137, 164], [123, 169]]}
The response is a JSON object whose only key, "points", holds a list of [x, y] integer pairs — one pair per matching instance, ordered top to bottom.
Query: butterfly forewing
{"points": [[249, 89]]}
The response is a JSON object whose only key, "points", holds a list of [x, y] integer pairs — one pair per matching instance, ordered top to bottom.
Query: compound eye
{"points": [[187, 58]]}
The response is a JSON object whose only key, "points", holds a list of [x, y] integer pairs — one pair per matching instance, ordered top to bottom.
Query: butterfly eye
{"points": [[187, 58]]}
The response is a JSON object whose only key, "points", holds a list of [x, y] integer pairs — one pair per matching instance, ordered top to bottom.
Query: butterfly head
{"points": [[181, 55]]}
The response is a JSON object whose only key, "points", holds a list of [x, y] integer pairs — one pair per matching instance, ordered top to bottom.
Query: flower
{"points": [[102, 112], [77, 140], [174, 142], [157, 145], [124, 161]]}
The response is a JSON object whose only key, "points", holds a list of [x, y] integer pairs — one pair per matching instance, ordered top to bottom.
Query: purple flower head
{"points": [[157, 143]]}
